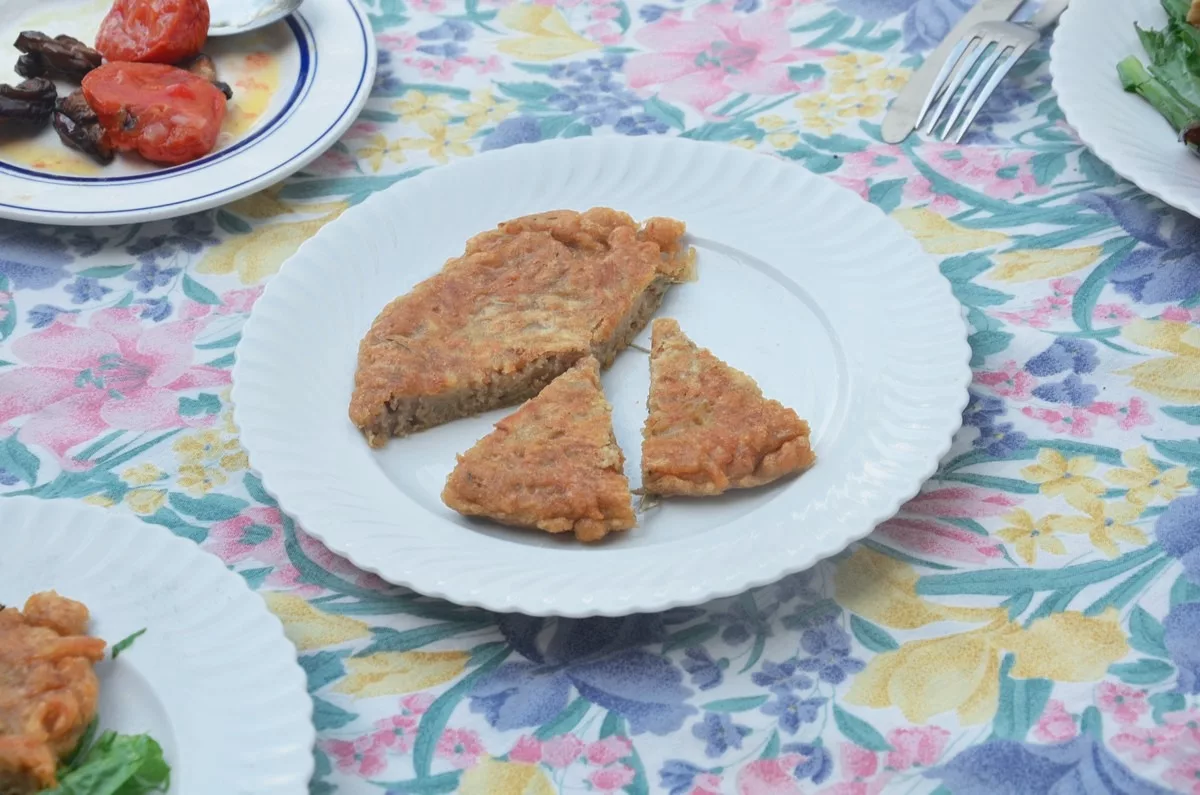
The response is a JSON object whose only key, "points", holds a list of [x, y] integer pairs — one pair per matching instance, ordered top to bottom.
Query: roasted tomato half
{"points": [[154, 31], [163, 113]]}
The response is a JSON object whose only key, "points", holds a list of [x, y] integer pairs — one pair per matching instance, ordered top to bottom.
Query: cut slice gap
{"points": [[710, 429], [553, 465]]}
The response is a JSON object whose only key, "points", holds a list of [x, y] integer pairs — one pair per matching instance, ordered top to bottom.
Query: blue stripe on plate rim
{"points": [[303, 33], [365, 35]]}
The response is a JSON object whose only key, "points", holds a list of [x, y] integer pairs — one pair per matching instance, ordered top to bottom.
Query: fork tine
{"points": [[969, 59], [984, 69], [939, 82], [989, 88]]}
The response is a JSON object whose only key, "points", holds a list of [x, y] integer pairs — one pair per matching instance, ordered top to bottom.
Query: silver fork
{"points": [[991, 49]]}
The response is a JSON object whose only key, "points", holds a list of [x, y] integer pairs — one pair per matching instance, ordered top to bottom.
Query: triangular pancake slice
{"points": [[710, 429], [553, 465]]}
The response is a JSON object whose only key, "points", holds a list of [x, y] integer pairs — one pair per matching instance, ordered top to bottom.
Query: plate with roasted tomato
{"points": [[124, 111]]}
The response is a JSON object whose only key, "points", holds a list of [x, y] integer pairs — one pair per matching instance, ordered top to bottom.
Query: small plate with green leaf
{"points": [[1128, 80], [200, 692]]}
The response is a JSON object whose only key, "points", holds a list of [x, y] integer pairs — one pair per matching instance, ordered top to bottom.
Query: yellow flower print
{"points": [[550, 35], [849, 72], [887, 80], [417, 106], [860, 106], [484, 109], [818, 112], [771, 122], [783, 140], [445, 141], [745, 143], [378, 148], [941, 236], [256, 256], [1028, 265], [1175, 377], [204, 447], [142, 475], [1058, 476], [199, 480], [1145, 481], [100, 500], [146, 501], [1105, 523], [1027, 536], [884, 590], [308, 627], [1066, 647], [391, 673], [959, 673], [493, 777]]}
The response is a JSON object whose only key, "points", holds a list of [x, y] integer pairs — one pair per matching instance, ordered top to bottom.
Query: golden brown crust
{"points": [[544, 288], [710, 429], [553, 465], [48, 690]]}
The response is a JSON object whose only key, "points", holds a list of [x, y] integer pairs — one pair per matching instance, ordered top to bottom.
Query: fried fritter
{"points": [[524, 303], [710, 429], [553, 465], [48, 689]]}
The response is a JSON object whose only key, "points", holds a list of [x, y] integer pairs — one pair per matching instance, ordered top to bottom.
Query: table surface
{"points": [[1032, 618]]}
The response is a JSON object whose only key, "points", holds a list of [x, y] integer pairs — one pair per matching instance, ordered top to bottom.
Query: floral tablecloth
{"points": [[1029, 624]]}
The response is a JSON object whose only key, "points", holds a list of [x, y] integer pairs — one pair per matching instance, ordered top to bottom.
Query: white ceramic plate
{"points": [[298, 85], [1121, 128], [816, 294], [213, 679]]}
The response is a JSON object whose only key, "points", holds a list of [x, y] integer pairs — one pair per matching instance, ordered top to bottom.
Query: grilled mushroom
{"points": [[61, 57], [203, 66], [30, 101], [79, 128]]}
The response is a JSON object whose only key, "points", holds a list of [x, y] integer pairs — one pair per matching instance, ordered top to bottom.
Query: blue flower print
{"points": [[651, 12], [926, 22], [453, 29], [640, 124], [510, 132], [30, 259], [1166, 268], [149, 276], [85, 289], [156, 309], [43, 315], [1078, 356], [1071, 391], [982, 410], [1001, 441], [7, 478], [1178, 533], [1181, 636], [829, 646], [603, 659], [704, 671], [781, 675], [792, 711], [719, 733], [818, 762], [1003, 767], [676, 776]]}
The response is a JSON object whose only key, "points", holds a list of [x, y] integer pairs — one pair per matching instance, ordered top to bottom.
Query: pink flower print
{"points": [[432, 6], [605, 12], [398, 42], [701, 61], [882, 162], [1004, 175], [1066, 285], [239, 301], [1056, 306], [192, 310], [1112, 313], [1177, 314], [1027, 317], [115, 374], [1010, 381], [1134, 414], [1076, 422], [961, 502], [256, 532], [941, 540], [417, 703], [1124, 703], [1189, 720], [1056, 724], [396, 733], [1146, 744], [916, 746], [460, 747], [527, 750], [609, 750], [562, 751], [364, 756], [858, 761], [1184, 775], [614, 777], [768, 777], [706, 784]]}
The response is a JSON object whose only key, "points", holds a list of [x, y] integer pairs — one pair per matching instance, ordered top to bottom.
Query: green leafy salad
{"points": [[1171, 80]]}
